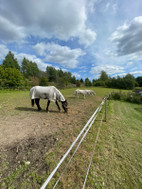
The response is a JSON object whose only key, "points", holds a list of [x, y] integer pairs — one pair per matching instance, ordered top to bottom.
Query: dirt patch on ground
{"points": [[28, 135]]}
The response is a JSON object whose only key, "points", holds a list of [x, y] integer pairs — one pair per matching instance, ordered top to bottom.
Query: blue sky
{"points": [[83, 37]]}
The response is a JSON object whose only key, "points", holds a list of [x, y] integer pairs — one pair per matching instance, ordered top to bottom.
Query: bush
{"points": [[99, 84], [116, 95], [129, 97]]}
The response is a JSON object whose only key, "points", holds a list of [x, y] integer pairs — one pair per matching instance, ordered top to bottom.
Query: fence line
{"points": [[90, 121], [77, 148], [93, 151]]}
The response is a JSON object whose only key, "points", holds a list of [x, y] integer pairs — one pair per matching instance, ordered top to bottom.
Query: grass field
{"points": [[42, 139], [118, 159]]}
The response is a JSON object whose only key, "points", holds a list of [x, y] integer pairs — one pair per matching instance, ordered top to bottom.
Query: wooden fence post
{"points": [[108, 99]]}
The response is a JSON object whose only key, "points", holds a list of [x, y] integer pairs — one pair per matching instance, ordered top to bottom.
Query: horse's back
{"points": [[41, 92], [49, 92]]}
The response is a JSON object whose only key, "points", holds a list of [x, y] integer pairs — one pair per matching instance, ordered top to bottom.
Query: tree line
{"points": [[28, 74], [126, 82]]}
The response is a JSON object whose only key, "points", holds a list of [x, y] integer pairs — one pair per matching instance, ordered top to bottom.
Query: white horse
{"points": [[82, 92], [90, 92], [51, 93]]}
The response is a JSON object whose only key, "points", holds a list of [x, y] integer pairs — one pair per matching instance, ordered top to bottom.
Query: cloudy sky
{"points": [[80, 36]]}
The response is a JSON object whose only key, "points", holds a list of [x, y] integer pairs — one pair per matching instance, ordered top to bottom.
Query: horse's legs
{"points": [[37, 103], [47, 105], [58, 106]]}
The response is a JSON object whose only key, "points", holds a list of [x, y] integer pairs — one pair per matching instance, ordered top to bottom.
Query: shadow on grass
{"points": [[26, 109], [138, 109], [36, 110]]}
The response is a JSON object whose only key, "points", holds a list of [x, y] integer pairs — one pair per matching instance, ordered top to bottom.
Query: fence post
{"points": [[108, 99], [105, 109]]}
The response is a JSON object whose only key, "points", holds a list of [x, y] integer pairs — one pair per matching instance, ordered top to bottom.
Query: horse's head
{"points": [[64, 105]]}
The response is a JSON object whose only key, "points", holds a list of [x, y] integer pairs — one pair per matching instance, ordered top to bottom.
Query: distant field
{"points": [[41, 138]]}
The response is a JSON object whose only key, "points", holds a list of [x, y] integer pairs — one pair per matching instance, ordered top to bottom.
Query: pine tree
{"points": [[10, 61]]}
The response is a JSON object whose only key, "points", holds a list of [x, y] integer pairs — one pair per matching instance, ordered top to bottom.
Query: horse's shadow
{"points": [[26, 109]]}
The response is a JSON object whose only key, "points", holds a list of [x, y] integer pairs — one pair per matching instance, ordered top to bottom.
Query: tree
{"points": [[10, 61], [29, 68], [51, 74], [2, 75], [103, 76], [12, 77], [73, 80], [43, 81], [81, 81], [129, 81], [139, 81], [87, 82], [61, 83], [78, 83]]}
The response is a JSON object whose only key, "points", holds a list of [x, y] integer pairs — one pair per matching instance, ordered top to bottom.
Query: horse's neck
{"points": [[60, 96]]}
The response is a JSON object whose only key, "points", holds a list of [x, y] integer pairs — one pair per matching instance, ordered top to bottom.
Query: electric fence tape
{"points": [[65, 155]]}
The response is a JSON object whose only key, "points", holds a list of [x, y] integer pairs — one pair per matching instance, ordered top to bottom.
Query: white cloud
{"points": [[91, 5], [107, 7], [114, 8], [53, 18], [9, 31], [87, 37], [128, 38], [41, 49], [3, 51], [110, 53], [63, 55], [136, 56], [32, 58], [129, 63], [109, 69], [65, 70], [136, 72], [132, 73], [76, 75], [120, 75]]}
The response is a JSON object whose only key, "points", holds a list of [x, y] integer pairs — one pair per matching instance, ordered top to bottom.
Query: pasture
{"points": [[33, 142]]}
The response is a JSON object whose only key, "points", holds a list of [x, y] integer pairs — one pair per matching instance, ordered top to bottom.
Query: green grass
{"points": [[10, 100], [118, 159]]}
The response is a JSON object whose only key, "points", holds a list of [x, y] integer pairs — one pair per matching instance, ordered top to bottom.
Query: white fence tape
{"points": [[75, 150], [93, 152], [65, 155]]}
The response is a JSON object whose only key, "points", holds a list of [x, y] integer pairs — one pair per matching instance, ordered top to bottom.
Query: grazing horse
{"points": [[82, 92], [91, 92], [51, 93]]}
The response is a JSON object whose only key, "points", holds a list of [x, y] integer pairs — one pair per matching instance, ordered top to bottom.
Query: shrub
{"points": [[116, 95], [129, 97]]}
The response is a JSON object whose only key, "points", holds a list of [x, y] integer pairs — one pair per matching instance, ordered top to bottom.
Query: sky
{"points": [[83, 37]]}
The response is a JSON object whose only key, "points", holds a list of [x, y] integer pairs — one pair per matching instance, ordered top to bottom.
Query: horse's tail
{"points": [[32, 102]]}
